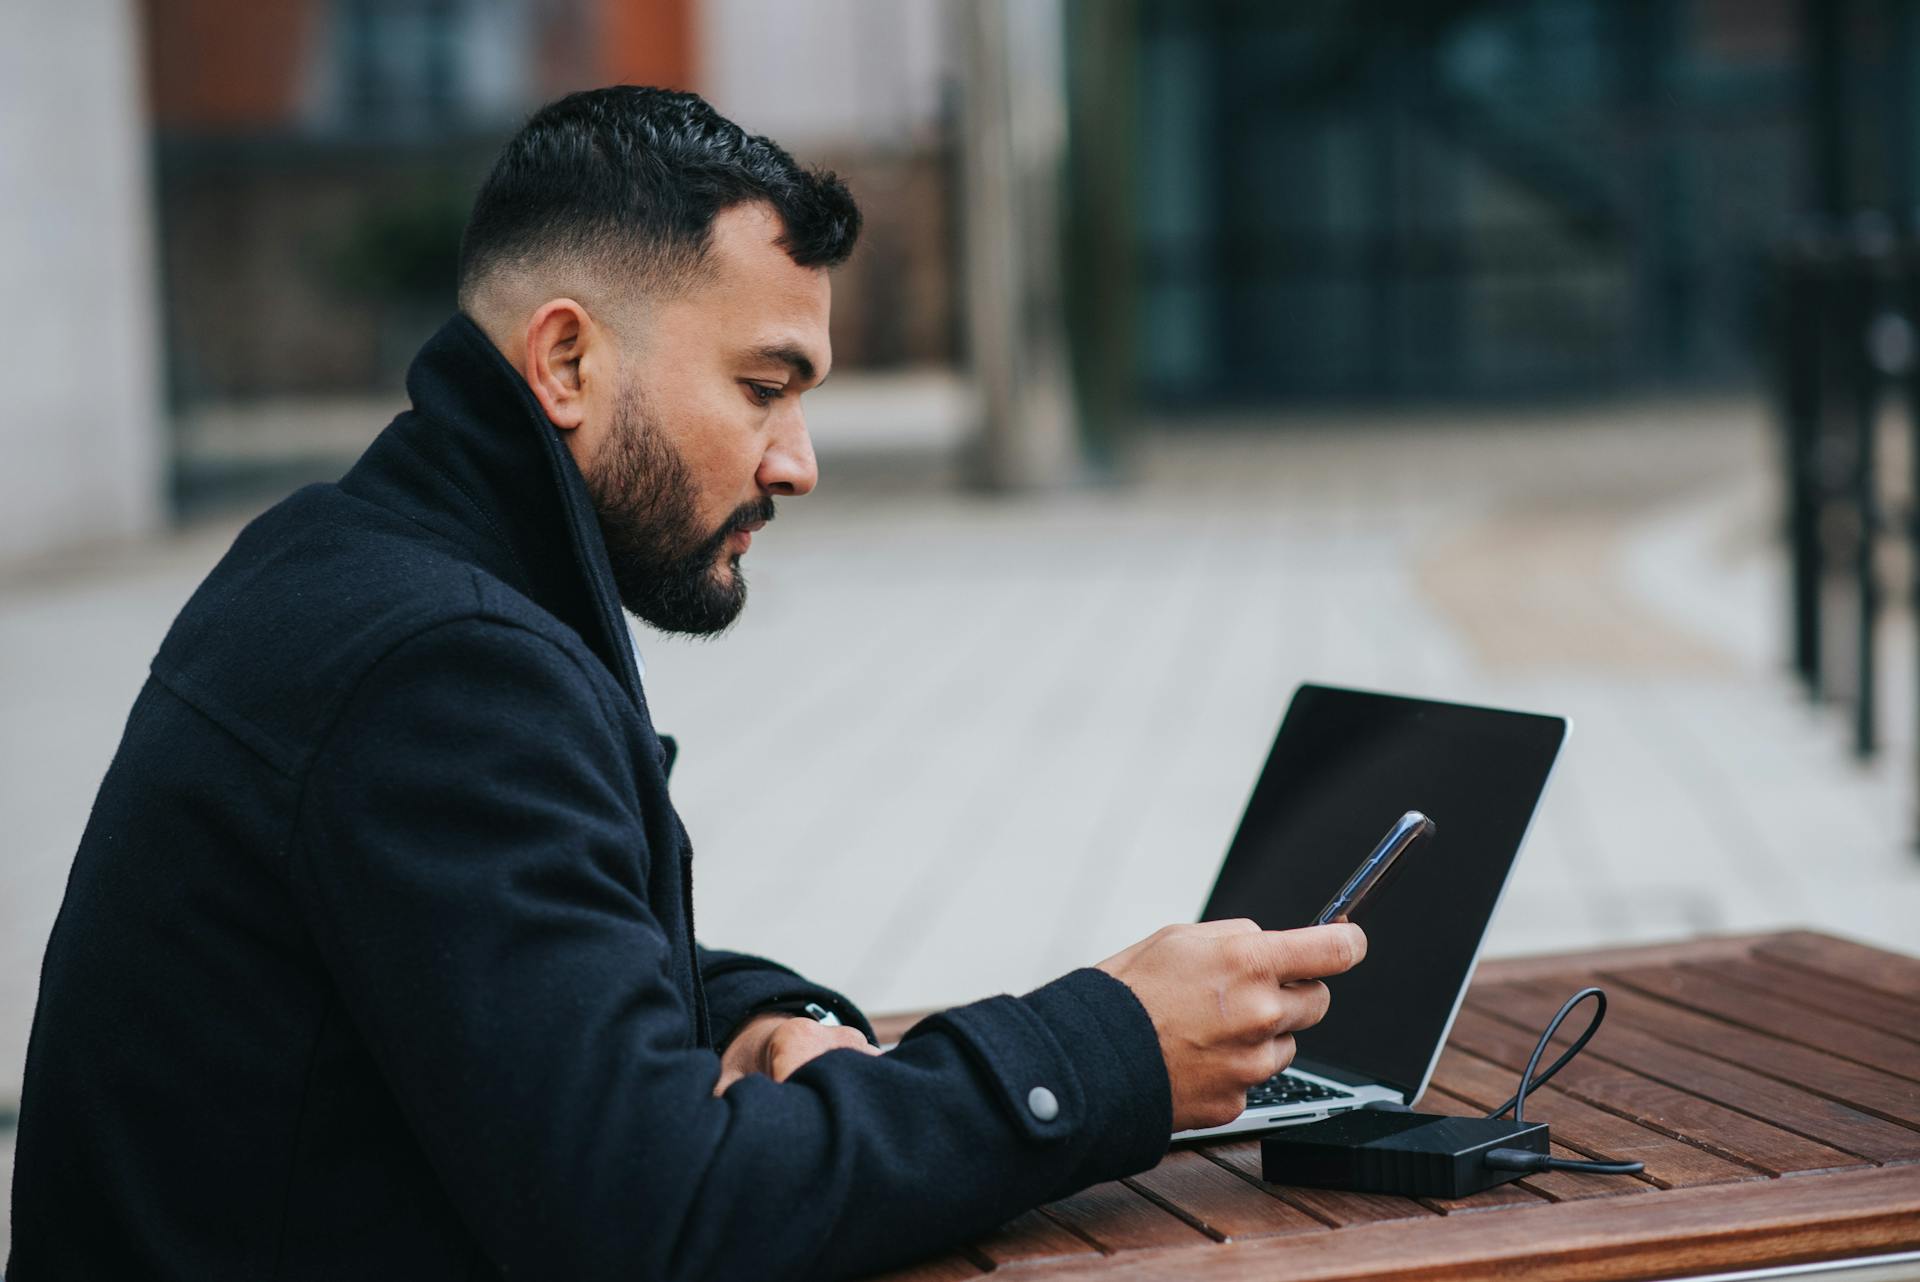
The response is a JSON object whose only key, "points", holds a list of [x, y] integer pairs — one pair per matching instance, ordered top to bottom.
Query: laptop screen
{"points": [[1345, 765]]}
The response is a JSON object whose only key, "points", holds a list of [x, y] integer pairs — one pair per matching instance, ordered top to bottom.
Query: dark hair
{"points": [[632, 178]]}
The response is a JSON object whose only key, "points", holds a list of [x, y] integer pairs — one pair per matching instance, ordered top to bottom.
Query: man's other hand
{"points": [[1226, 998], [777, 1044]]}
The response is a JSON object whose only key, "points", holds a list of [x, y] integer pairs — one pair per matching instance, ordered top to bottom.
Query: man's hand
{"points": [[1226, 998], [777, 1044]]}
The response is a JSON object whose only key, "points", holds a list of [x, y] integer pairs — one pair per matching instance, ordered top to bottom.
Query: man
{"points": [[377, 958]]}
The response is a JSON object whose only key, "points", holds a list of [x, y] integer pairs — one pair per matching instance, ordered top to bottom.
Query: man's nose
{"points": [[788, 466]]}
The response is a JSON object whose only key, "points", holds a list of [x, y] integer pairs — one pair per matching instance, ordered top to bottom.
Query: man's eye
{"points": [[765, 393]]}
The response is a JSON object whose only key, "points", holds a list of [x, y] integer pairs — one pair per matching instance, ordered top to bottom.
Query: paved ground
{"points": [[960, 745]]}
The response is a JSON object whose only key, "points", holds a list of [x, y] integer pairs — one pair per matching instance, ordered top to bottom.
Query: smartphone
{"points": [[1373, 873]]}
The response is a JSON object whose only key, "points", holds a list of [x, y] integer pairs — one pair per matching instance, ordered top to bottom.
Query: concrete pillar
{"points": [[1013, 157], [81, 452]]}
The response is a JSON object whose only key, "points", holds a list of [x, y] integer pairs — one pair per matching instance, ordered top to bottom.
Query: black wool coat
{"points": [[377, 957]]}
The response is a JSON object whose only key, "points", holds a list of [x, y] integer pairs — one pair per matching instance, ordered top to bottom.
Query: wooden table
{"points": [[1771, 1084]]}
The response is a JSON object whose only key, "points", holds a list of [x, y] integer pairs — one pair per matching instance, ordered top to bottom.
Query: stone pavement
{"points": [[958, 745]]}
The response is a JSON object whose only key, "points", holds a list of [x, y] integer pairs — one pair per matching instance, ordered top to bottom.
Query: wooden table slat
{"points": [[1844, 959], [1503, 970], [1704, 991], [1529, 1006], [1899, 1016], [888, 1028], [1871, 1090], [1684, 1115], [1691, 1118], [1595, 1133], [1498, 1198], [1219, 1202], [1329, 1206], [1875, 1210], [1117, 1218], [1032, 1236], [952, 1267]]}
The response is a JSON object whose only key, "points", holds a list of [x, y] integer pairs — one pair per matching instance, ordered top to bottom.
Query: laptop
{"points": [[1345, 765]]}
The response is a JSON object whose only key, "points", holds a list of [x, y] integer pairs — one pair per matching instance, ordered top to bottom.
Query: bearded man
{"points": [[377, 958]]}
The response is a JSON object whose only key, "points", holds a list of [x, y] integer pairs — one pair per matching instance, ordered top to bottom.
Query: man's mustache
{"points": [[749, 514]]}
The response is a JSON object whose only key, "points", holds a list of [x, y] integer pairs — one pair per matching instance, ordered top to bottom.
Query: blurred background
{"points": [[1550, 353]]}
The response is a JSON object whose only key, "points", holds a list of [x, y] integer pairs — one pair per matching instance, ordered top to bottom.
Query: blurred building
{"points": [[316, 159], [1341, 198], [1411, 198], [1257, 203]]}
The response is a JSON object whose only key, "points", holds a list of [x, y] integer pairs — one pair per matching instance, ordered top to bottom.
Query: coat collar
{"points": [[477, 462]]}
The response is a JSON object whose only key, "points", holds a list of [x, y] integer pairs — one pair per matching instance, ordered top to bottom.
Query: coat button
{"points": [[1042, 1104]]}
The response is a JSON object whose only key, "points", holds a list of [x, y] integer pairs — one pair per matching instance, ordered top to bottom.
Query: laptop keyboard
{"points": [[1285, 1088]]}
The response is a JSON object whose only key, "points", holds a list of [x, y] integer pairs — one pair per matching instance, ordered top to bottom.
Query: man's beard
{"points": [[668, 571]]}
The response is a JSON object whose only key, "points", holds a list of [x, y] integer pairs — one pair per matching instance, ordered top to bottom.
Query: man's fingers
{"points": [[1228, 926], [1175, 936], [1312, 952], [1303, 1005], [799, 1040], [1283, 1050]]}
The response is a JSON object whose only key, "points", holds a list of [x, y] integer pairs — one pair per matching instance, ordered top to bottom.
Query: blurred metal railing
{"points": [[1849, 303]]}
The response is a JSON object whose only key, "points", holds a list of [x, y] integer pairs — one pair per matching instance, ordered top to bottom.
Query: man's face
{"points": [[706, 428]]}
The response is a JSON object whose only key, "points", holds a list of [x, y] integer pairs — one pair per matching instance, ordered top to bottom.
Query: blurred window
{"points": [[398, 63], [1482, 196]]}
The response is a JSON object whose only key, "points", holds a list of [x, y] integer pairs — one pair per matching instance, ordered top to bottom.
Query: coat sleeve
{"points": [[465, 854], [738, 985]]}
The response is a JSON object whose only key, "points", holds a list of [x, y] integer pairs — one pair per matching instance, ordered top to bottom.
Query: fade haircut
{"points": [[627, 181]]}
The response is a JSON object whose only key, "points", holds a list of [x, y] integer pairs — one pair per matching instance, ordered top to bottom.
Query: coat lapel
{"points": [[476, 461]]}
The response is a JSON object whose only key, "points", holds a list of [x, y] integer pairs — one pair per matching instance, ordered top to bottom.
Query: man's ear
{"points": [[558, 335]]}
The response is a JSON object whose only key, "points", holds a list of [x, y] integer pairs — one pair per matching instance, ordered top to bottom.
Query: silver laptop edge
{"points": [[1259, 1119]]}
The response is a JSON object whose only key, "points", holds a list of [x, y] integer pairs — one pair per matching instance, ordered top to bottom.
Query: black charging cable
{"points": [[1514, 1159]]}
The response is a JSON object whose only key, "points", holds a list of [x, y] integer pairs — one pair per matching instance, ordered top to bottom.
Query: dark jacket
{"points": [[377, 957]]}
